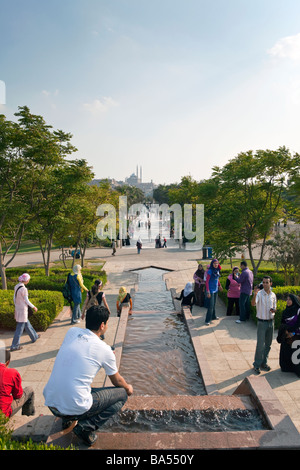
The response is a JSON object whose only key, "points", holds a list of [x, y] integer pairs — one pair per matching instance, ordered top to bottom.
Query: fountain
{"points": [[176, 404]]}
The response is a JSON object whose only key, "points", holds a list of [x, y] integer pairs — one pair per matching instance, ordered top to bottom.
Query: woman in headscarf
{"points": [[212, 285], [199, 286], [77, 287], [233, 292], [95, 296], [187, 296], [124, 300], [22, 303], [288, 332]]}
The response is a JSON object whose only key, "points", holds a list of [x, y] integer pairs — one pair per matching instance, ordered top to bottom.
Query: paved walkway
{"points": [[229, 347]]}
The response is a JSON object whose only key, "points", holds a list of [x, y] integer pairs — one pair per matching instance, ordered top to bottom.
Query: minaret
{"points": [[141, 174]]}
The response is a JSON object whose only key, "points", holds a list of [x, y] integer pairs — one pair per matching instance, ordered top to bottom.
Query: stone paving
{"points": [[229, 347]]}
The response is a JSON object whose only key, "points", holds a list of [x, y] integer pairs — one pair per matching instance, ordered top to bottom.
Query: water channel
{"points": [[158, 356], [158, 359]]}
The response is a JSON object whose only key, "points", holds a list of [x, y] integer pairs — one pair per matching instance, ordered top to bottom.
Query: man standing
{"points": [[246, 281], [265, 301], [68, 393]]}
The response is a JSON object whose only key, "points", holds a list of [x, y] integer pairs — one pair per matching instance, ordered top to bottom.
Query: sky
{"points": [[175, 86]]}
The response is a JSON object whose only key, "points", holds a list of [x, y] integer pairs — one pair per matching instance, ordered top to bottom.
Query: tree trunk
{"points": [[2, 270]]}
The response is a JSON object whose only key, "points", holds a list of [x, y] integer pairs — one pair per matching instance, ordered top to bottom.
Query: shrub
{"points": [[278, 287], [48, 303], [7, 443]]}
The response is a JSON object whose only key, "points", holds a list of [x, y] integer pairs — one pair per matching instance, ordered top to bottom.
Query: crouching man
{"points": [[68, 393]]}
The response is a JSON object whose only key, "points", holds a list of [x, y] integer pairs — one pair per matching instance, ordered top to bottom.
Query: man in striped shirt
{"points": [[265, 302]]}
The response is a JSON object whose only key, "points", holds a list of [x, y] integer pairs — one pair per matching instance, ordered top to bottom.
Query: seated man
{"points": [[68, 393], [12, 395]]}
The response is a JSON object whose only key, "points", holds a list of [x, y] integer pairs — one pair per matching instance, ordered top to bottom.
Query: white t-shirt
{"points": [[81, 356]]}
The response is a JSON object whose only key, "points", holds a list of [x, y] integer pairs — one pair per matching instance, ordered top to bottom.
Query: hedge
{"points": [[53, 282], [278, 288], [45, 292], [48, 303]]}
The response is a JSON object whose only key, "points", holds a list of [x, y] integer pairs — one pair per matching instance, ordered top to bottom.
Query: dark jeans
{"points": [[231, 302], [244, 307], [211, 311], [26, 402], [106, 402]]}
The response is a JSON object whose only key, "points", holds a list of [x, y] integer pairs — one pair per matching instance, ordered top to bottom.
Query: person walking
{"points": [[139, 245], [114, 247], [246, 282], [212, 285], [77, 287], [233, 292], [95, 296], [265, 301], [22, 303], [68, 392], [13, 396]]}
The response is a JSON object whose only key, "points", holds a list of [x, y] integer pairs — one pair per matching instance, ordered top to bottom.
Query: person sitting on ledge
{"points": [[187, 296], [124, 300], [68, 393], [12, 395]]}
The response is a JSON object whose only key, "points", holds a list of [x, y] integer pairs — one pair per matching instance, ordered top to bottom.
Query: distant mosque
{"points": [[135, 179]]}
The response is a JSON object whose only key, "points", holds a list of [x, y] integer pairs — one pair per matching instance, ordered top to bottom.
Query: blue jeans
{"points": [[244, 304], [211, 311], [76, 312], [19, 331], [106, 402]]}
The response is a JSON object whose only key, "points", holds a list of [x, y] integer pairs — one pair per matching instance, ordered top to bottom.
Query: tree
{"points": [[28, 150], [63, 190], [246, 199], [83, 219], [285, 252]]}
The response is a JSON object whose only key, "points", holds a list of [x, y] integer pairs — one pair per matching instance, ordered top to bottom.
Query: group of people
{"points": [[241, 294], [68, 392]]}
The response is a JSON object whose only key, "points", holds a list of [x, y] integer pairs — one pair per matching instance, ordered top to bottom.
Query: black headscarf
{"points": [[200, 271], [291, 310]]}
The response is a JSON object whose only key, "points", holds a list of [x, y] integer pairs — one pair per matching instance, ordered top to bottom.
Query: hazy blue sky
{"points": [[177, 86]]}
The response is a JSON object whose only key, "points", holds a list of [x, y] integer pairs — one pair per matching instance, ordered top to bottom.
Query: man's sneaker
{"points": [[239, 321], [265, 367], [256, 370], [88, 437]]}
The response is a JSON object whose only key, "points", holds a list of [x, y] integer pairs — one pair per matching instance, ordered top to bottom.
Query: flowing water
{"points": [[158, 356], [158, 359]]}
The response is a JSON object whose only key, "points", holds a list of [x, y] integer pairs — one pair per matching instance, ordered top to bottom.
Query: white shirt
{"points": [[264, 302], [81, 356]]}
